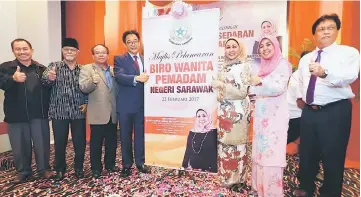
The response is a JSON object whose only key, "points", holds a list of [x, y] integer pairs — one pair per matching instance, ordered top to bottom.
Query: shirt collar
{"points": [[327, 49], [131, 55], [20, 64], [65, 64], [107, 69]]}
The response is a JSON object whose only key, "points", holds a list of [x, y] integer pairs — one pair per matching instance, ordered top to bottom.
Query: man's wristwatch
{"points": [[325, 73]]}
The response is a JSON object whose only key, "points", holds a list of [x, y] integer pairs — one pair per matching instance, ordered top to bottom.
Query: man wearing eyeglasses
{"points": [[130, 76], [325, 76], [97, 80], [26, 106], [67, 107]]}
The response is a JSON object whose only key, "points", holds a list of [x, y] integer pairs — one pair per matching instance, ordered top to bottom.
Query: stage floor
{"points": [[141, 184]]}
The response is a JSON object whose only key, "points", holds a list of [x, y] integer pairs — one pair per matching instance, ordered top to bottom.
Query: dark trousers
{"points": [[127, 122], [293, 130], [324, 132], [61, 133], [108, 133], [21, 136]]}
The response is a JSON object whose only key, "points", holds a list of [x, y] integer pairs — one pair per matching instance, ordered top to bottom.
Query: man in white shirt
{"points": [[325, 76]]}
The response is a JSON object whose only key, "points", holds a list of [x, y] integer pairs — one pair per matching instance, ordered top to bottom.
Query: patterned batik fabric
{"points": [[232, 164]]}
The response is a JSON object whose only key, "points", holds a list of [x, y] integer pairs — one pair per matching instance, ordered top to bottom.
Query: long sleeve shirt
{"points": [[343, 65], [66, 96]]}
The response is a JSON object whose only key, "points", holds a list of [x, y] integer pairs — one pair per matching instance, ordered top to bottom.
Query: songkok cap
{"points": [[70, 42]]}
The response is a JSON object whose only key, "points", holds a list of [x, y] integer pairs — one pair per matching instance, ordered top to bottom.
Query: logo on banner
{"points": [[180, 36]]}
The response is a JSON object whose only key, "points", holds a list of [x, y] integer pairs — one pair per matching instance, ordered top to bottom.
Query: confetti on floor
{"points": [[155, 184]]}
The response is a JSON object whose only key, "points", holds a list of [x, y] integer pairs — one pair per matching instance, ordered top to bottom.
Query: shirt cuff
{"points": [[332, 79], [135, 82], [252, 90]]}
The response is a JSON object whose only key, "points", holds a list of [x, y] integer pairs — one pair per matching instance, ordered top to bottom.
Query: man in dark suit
{"points": [[130, 76]]}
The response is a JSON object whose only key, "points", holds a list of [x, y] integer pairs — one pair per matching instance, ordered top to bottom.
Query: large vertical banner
{"points": [[249, 21], [180, 104]]}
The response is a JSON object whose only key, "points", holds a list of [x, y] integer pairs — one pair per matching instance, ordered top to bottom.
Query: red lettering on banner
{"points": [[193, 66], [160, 68], [181, 78]]}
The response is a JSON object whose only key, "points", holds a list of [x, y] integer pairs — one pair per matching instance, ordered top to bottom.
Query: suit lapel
{"points": [[131, 62], [99, 71], [113, 79]]}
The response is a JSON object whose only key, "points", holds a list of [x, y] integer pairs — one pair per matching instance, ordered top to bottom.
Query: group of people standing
{"points": [[65, 90], [317, 105]]}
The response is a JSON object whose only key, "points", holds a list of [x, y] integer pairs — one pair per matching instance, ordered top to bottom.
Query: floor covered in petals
{"points": [[147, 185]]}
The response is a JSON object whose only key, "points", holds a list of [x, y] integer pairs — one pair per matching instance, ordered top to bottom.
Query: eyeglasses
{"points": [[329, 28], [132, 42], [72, 50]]}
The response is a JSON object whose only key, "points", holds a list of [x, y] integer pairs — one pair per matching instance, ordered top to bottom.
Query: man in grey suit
{"points": [[97, 80]]}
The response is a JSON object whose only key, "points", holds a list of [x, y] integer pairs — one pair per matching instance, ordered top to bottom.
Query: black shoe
{"points": [[113, 169], [143, 169], [126, 172], [79, 173], [47, 174], [96, 174], [59, 176], [21, 178], [240, 188]]}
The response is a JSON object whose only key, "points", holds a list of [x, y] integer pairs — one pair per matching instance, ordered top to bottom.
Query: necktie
{"points": [[136, 63], [311, 85]]}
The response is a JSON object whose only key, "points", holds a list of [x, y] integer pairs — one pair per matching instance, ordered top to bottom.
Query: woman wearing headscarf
{"points": [[268, 28], [233, 115], [270, 119], [201, 150]]}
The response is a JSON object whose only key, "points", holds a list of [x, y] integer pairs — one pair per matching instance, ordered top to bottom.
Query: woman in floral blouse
{"points": [[233, 115], [270, 119]]}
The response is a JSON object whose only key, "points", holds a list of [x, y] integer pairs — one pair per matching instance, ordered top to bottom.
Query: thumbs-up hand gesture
{"points": [[52, 74], [19, 76], [95, 77], [143, 77], [255, 80]]}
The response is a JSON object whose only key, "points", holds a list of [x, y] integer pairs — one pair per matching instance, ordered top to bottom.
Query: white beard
{"points": [[69, 58]]}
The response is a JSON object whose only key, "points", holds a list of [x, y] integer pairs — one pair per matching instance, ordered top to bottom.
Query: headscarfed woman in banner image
{"points": [[268, 28], [232, 85], [201, 150]]}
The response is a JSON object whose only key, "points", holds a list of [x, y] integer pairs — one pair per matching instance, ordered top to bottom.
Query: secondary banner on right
{"points": [[249, 21]]}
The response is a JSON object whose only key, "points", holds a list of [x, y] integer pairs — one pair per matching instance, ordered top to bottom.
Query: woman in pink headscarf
{"points": [[268, 28], [270, 119], [201, 150]]}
